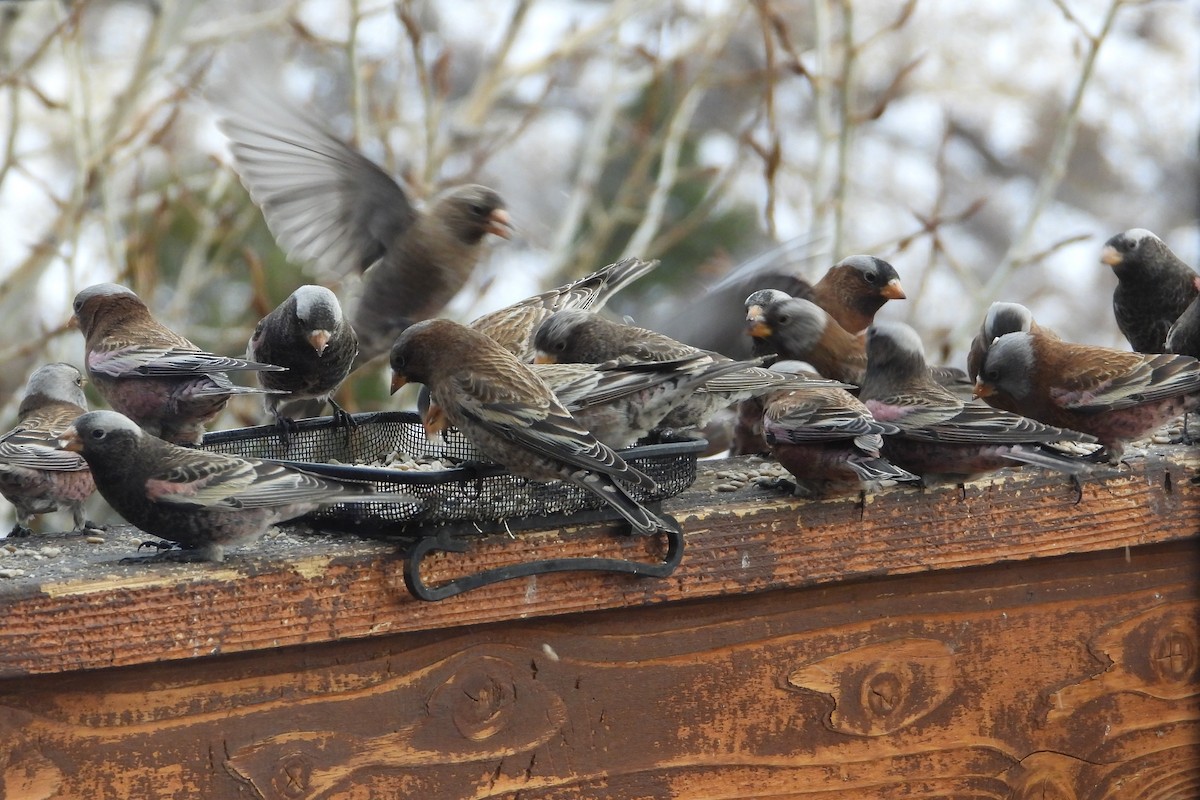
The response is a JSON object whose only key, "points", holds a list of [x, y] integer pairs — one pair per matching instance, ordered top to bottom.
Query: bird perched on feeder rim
{"points": [[1154, 286], [148, 372], [502, 407]]}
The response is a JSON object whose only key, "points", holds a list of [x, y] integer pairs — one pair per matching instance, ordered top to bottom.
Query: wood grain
{"points": [[306, 590], [1070, 677]]}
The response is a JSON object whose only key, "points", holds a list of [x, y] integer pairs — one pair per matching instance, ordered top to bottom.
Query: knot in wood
{"points": [[1173, 656], [883, 693], [479, 698], [292, 776], [1045, 788]]}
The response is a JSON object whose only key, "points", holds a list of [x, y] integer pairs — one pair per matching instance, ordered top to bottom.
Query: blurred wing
{"points": [[323, 200]]}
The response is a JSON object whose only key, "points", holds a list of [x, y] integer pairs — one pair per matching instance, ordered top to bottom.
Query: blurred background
{"points": [[986, 150]]}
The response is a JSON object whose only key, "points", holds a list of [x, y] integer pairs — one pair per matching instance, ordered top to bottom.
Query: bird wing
{"points": [[323, 200], [159, 362], [1122, 380], [914, 410], [797, 418], [979, 423], [38, 449], [217, 482]]}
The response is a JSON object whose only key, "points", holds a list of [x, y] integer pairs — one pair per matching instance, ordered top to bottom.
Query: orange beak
{"points": [[500, 224], [1109, 255], [892, 290], [73, 322], [758, 328], [319, 339], [544, 358], [398, 381], [982, 390], [435, 421], [69, 440]]}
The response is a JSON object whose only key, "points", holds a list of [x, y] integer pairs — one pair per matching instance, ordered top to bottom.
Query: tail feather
{"points": [[1044, 457], [643, 521]]}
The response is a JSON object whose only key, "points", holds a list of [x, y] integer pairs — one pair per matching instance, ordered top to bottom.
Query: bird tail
{"points": [[1041, 456], [643, 521]]}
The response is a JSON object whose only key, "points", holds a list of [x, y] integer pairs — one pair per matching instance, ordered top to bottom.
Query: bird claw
{"points": [[341, 418], [287, 428], [1078, 486], [88, 525], [19, 531], [158, 544], [167, 551]]}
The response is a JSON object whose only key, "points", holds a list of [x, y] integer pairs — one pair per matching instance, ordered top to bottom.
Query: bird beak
{"points": [[499, 224], [1110, 255], [892, 290], [73, 322], [758, 328], [319, 339], [544, 358], [398, 380], [982, 390], [69, 440]]}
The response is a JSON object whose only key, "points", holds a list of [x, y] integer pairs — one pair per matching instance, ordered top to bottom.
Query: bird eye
{"points": [[480, 210], [870, 277], [78, 305], [783, 319], [560, 346], [992, 374], [98, 433]]}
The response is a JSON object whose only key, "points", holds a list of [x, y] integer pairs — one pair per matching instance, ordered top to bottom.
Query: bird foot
{"points": [[341, 418], [287, 428], [96, 527], [19, 531], [166, 551]]}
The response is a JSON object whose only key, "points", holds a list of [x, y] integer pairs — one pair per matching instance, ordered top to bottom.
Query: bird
{"points": [[325, 202], [1153, 287], [854, 289], [851, 291], [1001, 318], [513, 326], [800, 330], [308, 335], [576, 336], [1183, 338], [148, 372], [1114, 395], [622, 402], [511, 416], [940, 435], [826, 437], [35, 476], [205, 502]]}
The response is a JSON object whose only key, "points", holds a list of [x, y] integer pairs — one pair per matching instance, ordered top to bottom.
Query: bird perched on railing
{"points": [[326, 202], [1153, 287], [148, 372], [1115, 395], [940, 434], [35, 475], [205, 502]]}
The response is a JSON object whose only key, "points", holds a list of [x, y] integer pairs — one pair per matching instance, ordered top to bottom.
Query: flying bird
{"points": [[327, 203], [308, 336], [148, 372], [502, 407], [35, 476], [205, 502]]}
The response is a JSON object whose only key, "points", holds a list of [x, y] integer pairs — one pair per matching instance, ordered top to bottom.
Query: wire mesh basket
{"points": [[466, 496]]}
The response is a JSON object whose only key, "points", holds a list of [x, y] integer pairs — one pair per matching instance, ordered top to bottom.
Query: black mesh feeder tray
{"points": [[462, 496]]}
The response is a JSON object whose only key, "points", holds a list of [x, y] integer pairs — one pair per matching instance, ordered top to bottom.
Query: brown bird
{"points": [[327, 203], [1153, 287], [854, 289], [1001, 318], [513, 326], [1184, 336], [588, 338], [148, 372], [1115, 395], [512, 417], [939, 434], [826, 438], [35, 475]]}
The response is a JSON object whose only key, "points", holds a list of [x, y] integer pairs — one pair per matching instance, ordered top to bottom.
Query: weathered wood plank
{"points": [[302, 590], [1069, 677]]}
